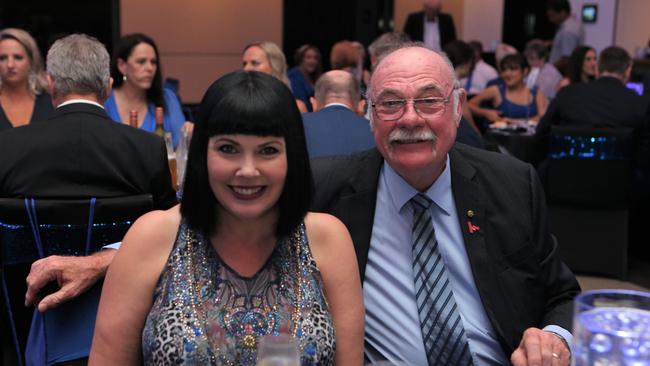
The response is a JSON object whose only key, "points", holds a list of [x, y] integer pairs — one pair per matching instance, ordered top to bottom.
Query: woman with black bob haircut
{"points": [[241, 258]]}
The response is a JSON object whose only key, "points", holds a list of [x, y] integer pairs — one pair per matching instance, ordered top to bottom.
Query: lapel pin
{"points": [[470, 213], [472, 228]]}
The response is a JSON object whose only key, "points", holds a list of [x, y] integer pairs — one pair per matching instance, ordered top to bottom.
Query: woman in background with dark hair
{"points": [[582, 66], [303, 76], [22, 80], [137, 86], [512, 101], [241, 258]]}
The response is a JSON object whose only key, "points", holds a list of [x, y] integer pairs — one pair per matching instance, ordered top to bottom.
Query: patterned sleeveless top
{"points": [[204, 313]]}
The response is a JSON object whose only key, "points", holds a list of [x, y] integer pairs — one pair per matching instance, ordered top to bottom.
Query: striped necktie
{"points": [[442, 328]]}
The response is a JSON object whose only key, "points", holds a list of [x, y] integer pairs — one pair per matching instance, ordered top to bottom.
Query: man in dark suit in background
{"points": [[431, 26], [605, 102], [335, 128], [80, 153], [469, 225]]}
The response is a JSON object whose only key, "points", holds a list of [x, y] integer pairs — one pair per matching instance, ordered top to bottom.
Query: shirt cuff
{"points": [[119, 244], [568, 338]]}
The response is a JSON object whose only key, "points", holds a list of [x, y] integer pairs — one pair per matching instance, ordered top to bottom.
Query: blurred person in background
{"points": [[431, 26], [570, 33], [383, 44], [346, 56], [461, 56], [268, 58], [582, 66], [480, 73], [365, 74], [542, 74], [303, 76], [22, 80], [138, 86], [512, 101]]}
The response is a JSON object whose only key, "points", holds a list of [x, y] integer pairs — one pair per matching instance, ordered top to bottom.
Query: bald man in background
{"points": [[335, 127]]}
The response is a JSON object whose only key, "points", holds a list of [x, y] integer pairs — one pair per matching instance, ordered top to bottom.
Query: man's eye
{"points": [[428, 101], [392, 103], [227, 149], [269, 150]]}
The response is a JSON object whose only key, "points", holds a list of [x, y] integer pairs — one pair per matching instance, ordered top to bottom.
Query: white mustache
{"points": [[407, 135]]}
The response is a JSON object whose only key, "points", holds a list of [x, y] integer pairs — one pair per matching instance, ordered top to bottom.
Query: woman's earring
{"points": [[124, 77]]}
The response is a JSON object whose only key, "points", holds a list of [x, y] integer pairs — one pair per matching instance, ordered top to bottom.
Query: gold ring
{"points": [[555, 355]]}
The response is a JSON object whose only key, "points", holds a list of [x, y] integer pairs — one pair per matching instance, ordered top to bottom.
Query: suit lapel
{"points": [[471, 208]]}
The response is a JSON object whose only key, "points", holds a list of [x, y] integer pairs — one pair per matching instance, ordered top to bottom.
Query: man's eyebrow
{"points": [[430, 87], [388, 91]]}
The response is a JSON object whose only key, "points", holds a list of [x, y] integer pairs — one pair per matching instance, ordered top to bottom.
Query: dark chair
{"points": [[588, 185], [35, 228]]}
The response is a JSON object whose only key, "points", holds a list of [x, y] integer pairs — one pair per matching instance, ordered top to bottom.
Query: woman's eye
{"points": [[227, 149], [269, 150]]}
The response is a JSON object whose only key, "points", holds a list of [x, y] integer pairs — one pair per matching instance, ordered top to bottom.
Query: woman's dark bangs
{"points": [[249, 113]]}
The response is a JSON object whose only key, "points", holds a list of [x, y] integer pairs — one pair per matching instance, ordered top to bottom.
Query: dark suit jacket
{"points": [[414, 27], [604, 102], [336, 130], [80, 152], [515, 262]]}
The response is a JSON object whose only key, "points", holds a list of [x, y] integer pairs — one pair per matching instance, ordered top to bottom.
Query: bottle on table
{"points": [[133, 118], [160, 120]]}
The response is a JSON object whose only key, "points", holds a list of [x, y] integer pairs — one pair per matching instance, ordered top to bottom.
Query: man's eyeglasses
{"points": [[427, 107]]}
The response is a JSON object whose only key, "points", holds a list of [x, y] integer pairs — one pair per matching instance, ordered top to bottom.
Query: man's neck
{"points": [[612, 75], [345, 103]]}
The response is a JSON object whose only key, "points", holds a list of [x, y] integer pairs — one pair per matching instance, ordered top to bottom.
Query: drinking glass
{"points": [[611, 327], [278, 350]]}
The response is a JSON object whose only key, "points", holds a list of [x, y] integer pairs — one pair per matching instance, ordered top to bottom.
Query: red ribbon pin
{"points": [[472, 228]]}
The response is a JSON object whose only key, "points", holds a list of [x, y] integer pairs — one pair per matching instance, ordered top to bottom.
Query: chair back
{"points": [[590, 166], [35, 228]]}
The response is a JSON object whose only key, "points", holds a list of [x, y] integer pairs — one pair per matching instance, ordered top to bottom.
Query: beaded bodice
{"points": [[205, 313]]}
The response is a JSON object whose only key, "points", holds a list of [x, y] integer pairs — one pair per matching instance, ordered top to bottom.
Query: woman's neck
{"points": [[517, 87], [16, 91], [133, 94], [246, 234]]}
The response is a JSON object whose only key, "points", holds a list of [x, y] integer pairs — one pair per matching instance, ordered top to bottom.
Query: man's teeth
{"points": [[246, 191]]}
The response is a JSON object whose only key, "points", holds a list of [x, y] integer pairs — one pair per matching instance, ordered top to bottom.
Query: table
{"points": [[519, 142]]}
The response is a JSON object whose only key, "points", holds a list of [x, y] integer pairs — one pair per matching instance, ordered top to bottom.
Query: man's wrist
{"points": [[564, 341]]}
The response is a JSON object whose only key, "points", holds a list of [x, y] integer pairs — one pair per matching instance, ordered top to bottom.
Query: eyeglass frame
{"points": [[444, 102]]}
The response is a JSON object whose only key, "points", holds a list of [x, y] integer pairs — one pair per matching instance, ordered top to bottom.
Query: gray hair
{"points": [[385, 43], [537, 48], [79, 64], [36, 78], [343, 86], [455, 95]]}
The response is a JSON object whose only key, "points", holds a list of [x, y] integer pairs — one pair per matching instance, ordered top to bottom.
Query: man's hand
{"points": [[74, 275], [541, 348]]}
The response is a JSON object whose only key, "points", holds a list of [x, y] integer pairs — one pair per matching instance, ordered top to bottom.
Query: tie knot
{"points": [[420, 201]]}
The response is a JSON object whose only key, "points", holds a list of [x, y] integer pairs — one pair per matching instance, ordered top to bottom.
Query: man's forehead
{"points": [[412, 65]]}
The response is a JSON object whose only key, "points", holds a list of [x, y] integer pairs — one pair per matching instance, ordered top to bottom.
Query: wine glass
{"points": [[611, 327], [278, 350]]}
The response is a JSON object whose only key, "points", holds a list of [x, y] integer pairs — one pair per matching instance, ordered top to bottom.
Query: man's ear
{"points": [[50, 84], [314, 104], [361, 107]]}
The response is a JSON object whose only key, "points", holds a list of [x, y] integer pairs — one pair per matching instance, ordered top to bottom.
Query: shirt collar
{"points": [[86, 101], [336, 104], [401, 192]]}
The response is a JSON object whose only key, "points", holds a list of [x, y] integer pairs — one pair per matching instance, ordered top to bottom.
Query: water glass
{"points": [[611, 327], [278, 350]]}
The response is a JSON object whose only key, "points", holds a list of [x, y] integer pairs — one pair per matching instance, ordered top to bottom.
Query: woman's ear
{"points": [[121, 66]]}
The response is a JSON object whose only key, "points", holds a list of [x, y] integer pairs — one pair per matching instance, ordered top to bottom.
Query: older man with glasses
{"points": [[453, 246]]}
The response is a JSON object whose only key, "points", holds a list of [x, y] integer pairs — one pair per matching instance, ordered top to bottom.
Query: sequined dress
{"points": [[204, 313]]}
